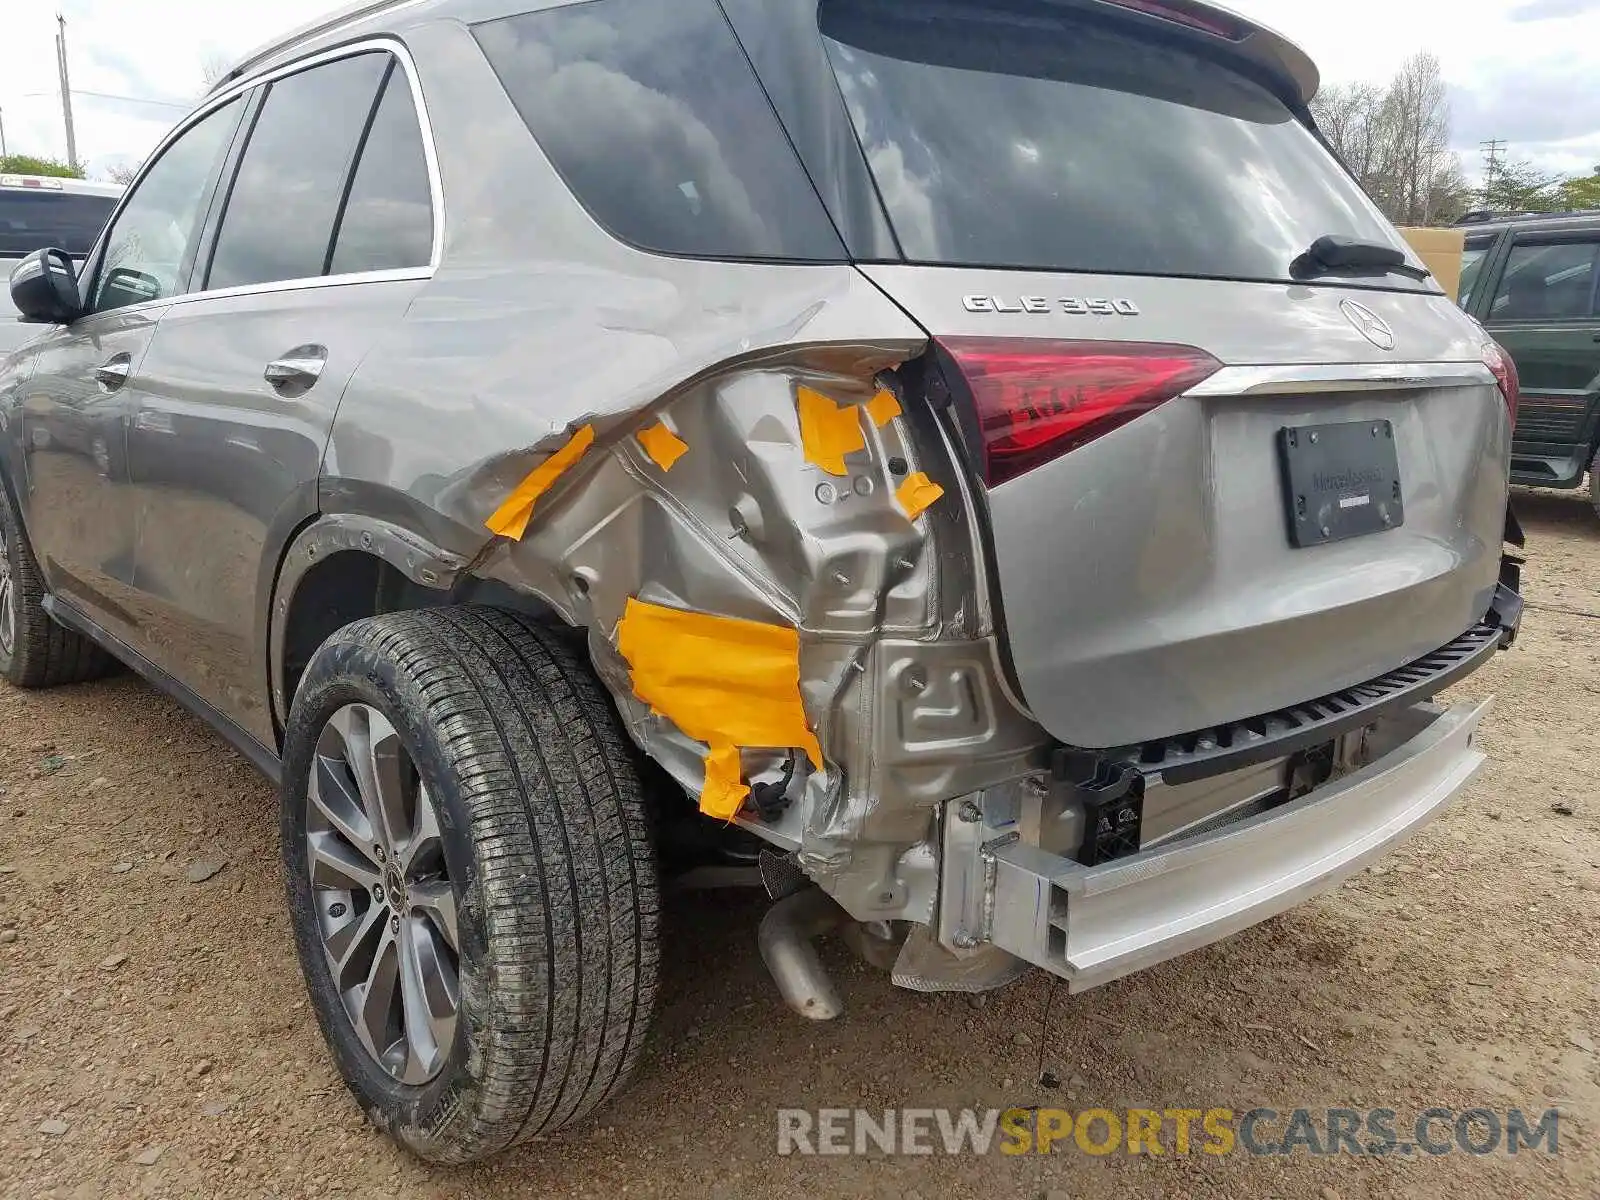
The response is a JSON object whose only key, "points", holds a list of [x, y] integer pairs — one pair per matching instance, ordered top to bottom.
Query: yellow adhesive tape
{"points": [[883, 408], [828, 431], [662, 445], [916, 493], [511, 518], [723, 681], [723, 793]]}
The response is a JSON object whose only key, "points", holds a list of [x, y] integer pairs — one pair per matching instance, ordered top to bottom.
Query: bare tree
{"points": [[213, 66], [1350, 117], [1396, 142], [122, 173]]}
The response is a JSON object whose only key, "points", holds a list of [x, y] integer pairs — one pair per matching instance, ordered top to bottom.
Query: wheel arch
{"points": [[340, 568]]}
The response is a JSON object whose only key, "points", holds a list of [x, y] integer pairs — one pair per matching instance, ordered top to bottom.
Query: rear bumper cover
{"points": [[1091, 925]]}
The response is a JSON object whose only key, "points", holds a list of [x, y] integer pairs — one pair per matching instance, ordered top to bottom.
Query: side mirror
{"points": [[44, 289]]}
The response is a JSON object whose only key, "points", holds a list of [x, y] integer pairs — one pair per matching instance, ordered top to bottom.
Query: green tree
{"points": [[27, 164], [1522, 187], [1580, 192]]}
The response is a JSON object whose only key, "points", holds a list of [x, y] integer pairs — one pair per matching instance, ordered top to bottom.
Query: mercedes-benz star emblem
{"points": [[1368, 324]]}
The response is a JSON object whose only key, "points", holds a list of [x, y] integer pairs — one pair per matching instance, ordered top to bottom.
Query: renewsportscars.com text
{"points": [[1177, 1131]]}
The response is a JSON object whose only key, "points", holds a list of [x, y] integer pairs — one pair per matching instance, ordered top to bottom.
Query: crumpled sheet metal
{"points": [[511, 518], [896, 678], [729, 683], [925, 966]]}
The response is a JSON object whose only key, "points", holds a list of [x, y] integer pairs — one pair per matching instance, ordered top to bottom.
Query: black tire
{"points": [[1594, 482], [42, 653], [547, 846]]}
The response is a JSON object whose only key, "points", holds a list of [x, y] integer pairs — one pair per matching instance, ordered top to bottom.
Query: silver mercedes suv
{"points": [[983, 470]]}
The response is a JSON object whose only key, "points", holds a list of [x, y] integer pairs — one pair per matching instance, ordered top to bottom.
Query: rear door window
{"points": [[654, 118], [1016, 134], [33, 218], [387, 223], [278, 224], [1548, 282]]}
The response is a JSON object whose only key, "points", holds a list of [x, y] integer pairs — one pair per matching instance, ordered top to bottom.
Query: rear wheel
{"points": [[1594, 482], [34, 650], [470, 877]]}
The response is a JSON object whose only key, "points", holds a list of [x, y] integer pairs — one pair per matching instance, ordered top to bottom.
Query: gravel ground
{"points": [[155, 1040]]}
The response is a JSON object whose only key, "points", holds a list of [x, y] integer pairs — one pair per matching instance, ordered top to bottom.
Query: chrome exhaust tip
{"points": [[785, 940]]}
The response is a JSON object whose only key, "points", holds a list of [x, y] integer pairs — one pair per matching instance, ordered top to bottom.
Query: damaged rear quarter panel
{"points": [[536, 323]]}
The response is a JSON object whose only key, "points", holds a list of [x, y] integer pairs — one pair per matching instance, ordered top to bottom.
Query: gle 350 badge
{"points": [[1078, 306]]}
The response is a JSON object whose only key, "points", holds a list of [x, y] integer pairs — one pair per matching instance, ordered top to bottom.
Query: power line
{"points": [[113, 96], [131, 99]]}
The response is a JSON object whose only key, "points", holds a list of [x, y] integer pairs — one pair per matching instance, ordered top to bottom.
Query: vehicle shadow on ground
{"points": [[1566, 513]]}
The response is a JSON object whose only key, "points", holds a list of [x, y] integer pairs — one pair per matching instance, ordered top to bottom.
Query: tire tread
{"points": [[570, 899]]}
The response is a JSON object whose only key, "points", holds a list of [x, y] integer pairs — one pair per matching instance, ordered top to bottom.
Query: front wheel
{"points": [[36, 652], [470, 877]]}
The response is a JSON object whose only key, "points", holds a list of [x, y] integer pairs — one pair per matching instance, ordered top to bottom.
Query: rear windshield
{"points": [[1008, 135], [33, 219]]}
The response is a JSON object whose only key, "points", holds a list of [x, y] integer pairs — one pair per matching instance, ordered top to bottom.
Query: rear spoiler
{"points": [[1265, 49]]}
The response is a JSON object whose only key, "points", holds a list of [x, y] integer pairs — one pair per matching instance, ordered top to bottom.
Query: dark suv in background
{"points": [[1535, 283]]}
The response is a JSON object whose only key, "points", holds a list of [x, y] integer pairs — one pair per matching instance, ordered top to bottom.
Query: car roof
{"points": [[1264, 47], [57, 183], [1497, 223]]}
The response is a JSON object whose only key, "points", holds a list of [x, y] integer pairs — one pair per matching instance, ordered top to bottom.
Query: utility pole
{"points": [[66, 90], [1492, 150], [3, 153]]}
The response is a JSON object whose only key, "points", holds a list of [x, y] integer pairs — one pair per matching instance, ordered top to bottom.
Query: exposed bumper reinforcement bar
{"points": [[1274, 735], [1091, 925]]}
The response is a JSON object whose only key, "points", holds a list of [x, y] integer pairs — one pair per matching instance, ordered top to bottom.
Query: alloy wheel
{"points": [[8, 604], [385, 905]]}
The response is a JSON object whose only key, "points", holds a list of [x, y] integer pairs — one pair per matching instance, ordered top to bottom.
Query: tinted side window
{"points": [[655, 120], [279, 219], [388, 219], [150, 246], [1473, 257], [1549, 282]]}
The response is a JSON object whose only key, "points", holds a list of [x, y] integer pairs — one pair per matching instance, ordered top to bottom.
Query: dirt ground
{"points": [[154, 1038]]}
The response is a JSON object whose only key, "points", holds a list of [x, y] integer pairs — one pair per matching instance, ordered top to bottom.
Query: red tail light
{"points": [[1505, 374], [1037, 400]]}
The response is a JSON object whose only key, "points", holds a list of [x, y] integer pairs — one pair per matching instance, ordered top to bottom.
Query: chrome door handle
{"points": [[297, 370], [114, 372]]}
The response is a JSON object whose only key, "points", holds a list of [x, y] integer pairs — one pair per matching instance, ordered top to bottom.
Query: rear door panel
{"points": [[223, 467]]}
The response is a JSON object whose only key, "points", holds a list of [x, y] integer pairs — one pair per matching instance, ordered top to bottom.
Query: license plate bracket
{"points": [[1339, 481]]}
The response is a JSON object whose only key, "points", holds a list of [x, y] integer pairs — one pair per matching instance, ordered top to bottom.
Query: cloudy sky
{"points": [[1523, 70]]}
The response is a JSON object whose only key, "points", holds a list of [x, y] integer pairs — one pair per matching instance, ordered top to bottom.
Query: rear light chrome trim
{"points": [[1294, 379]]}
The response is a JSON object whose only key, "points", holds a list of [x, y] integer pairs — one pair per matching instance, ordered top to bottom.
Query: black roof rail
{"points": [[1485, 216]]}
